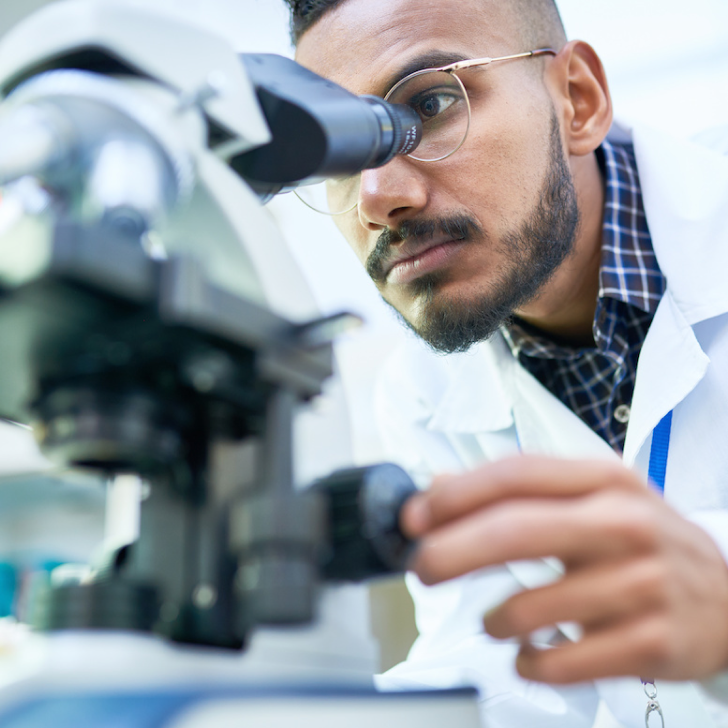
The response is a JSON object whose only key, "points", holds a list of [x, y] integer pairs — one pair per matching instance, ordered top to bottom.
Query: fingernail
{"points": [[416, 515]]}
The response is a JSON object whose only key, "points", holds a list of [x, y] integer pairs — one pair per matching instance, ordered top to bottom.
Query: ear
{"points": [[581, 95]]}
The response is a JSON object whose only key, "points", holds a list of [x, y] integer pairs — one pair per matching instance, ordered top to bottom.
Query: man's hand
{"points": [[649, 588]]}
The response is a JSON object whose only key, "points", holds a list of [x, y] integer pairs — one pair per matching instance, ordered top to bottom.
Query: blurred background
{"points": [[667, 62]]}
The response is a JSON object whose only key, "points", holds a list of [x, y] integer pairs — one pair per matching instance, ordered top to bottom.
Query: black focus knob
{"points": [[364, 505]]}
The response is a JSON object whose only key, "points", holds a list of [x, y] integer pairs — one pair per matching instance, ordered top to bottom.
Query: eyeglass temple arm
{"points": [[460, 65]]}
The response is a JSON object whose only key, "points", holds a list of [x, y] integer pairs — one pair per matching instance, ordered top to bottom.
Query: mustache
{"points": [[455, 227]]}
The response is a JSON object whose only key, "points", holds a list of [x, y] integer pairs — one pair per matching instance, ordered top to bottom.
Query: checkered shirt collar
{"points": [[629, 271]]}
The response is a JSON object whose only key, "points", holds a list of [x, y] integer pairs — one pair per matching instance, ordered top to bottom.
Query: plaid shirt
{"points": [[597, 382]]}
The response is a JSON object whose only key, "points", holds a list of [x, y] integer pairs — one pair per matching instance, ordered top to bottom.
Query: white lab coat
{"points": [[450, 413]]}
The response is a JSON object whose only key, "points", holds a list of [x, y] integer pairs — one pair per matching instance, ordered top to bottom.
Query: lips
{"points": [[413, 260]]}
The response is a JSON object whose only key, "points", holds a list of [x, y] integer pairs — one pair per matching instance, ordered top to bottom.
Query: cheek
{"points": [[509, 138], [506, 163]]}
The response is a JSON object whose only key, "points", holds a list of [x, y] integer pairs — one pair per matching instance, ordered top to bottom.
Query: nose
{"points": [[392, 193]]}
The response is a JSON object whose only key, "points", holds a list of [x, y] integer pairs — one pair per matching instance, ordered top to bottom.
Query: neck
{"points": [[564, 310]]}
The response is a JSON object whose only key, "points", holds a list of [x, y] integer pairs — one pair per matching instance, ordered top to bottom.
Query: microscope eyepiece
{"points": [[319, 129], [401, 129]]}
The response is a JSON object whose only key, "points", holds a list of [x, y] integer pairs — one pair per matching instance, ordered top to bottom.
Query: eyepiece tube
{"points": [[400, 126], [319, 129]]}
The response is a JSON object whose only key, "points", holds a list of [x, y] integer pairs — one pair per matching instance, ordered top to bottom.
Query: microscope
{"points": [[149, 329]]}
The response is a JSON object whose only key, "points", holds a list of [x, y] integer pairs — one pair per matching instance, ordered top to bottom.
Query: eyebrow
{"points": [[431, 59]]}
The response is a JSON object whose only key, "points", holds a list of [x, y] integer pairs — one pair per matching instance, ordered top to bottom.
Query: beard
{"points": [[533, 252]]}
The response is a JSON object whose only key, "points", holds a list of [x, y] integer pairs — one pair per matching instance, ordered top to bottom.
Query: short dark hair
{"points": [[304, 13], [540, 19]]}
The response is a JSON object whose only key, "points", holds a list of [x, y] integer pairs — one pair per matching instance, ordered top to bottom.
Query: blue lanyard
{"points": [[658, 451], [656, 473]]}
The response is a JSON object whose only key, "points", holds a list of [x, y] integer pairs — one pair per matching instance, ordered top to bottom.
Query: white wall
{"points": [[667, 60]]}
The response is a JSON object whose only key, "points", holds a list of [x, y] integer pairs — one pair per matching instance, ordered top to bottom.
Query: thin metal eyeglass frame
{"points": [[452, 69]]}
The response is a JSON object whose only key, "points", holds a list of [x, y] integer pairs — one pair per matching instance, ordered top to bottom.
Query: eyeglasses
{"points": [[439, 97]]}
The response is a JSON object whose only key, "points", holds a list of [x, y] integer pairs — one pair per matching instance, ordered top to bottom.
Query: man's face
{"points": [[455, 246]]}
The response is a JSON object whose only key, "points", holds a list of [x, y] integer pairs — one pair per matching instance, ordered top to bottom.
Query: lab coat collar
{"points": [[475, 399]]}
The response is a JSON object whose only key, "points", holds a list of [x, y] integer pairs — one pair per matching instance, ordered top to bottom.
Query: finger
{"points": [[524, 476], [415, 518], [602, 526], [598, 596], [639, 647]]}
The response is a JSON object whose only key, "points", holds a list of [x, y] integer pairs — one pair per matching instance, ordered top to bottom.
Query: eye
{"points": [[436, 96], [433, 102]]}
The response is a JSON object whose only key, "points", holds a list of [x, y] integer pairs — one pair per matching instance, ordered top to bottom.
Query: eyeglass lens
{"points": [[440, 100], [332, 197]]}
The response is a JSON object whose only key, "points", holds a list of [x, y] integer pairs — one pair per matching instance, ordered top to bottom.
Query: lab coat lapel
{"points": [[670, 366], [490, 396], [475, 399], [493, 407], [474, 412], [547, 426]]}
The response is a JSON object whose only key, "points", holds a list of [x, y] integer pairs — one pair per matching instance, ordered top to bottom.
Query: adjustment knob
{"points": [[364, 505]]}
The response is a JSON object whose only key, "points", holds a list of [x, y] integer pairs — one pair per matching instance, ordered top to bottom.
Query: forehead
{"points": [[364, 45]]}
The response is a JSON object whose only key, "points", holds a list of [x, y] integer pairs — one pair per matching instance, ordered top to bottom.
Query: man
{"points": [[556, 259]]}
